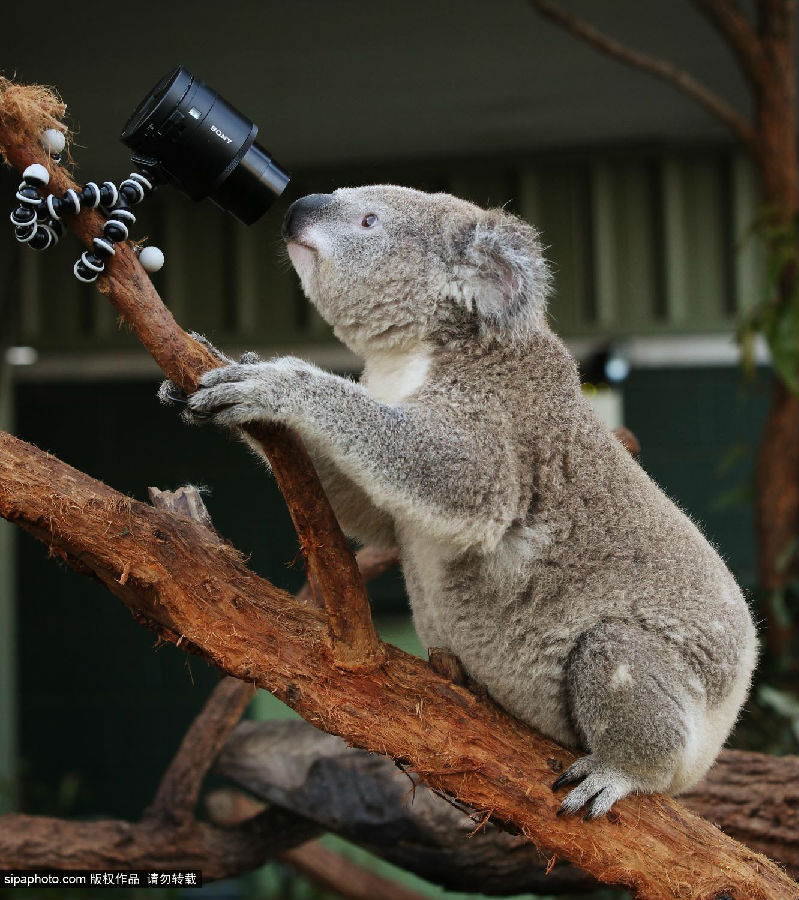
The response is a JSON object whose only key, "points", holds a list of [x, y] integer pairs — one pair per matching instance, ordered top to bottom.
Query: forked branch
{"points": [[733, 25], [661, 68]]}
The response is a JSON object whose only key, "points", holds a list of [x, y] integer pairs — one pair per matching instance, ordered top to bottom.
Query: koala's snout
{"points": [[301, 212]]}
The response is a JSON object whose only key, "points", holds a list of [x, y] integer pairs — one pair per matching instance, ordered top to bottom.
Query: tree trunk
{"points": [[777, 481]]}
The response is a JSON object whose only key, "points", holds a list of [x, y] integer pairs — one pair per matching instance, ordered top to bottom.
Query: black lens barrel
{"points": [[206, 147]]}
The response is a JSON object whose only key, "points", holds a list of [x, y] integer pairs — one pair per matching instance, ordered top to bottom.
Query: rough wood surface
{"points": [[23, 111], [371, 562], [196, 590], [754, 798], [366, 800]]}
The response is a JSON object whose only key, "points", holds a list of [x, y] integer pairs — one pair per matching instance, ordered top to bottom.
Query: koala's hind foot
{"points": [[635, 704], [601, 787]]}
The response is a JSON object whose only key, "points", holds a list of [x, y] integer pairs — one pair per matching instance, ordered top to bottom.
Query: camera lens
{"points": [[203, 145]]}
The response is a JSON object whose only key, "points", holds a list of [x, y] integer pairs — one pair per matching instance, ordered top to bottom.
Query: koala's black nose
{"points": [[299, 211]]}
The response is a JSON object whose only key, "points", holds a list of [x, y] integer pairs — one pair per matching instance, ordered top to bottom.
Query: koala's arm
{"points": [[419, 463]]}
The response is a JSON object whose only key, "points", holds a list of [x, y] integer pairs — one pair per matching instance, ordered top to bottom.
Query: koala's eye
{"points": [[369, 220]]}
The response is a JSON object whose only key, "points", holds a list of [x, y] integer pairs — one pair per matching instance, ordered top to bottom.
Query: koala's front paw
{"points": [[170, 394], [237, 394]]}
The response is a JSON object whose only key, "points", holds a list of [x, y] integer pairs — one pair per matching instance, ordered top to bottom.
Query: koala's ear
{"points": [[500, 272]]}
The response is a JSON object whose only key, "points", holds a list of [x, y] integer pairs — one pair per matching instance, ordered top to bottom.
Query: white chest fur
{"points": [[393, 375]]}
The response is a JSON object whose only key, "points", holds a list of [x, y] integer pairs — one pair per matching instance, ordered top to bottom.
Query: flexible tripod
{"points": [[38, 221]]}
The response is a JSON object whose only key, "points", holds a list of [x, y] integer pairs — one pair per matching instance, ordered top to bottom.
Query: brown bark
{"points": [[183, 360], [371, 562], [196, 591], [364, 799]]}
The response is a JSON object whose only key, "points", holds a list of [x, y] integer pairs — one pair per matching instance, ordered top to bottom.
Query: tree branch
{"points": [[776, 19], [732, 24], [661, 68], [24, 112], [371, 562], [196, 590], [180, 787], [364, 799], [31, 842]]}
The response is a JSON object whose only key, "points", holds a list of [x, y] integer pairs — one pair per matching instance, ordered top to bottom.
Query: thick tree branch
{"points": [[661, 68], [24, 112], [198, 592], [365, 799], [755, 799]]}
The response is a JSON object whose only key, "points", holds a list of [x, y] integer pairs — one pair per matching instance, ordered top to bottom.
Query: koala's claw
{"points": [[170, 393], [576, 772], [600, 788]]}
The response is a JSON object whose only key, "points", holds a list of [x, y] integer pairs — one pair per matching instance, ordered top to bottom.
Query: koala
{"points": [[533, 546]]}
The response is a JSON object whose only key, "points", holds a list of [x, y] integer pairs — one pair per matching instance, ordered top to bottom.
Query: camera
{"points": [[184, 133]]}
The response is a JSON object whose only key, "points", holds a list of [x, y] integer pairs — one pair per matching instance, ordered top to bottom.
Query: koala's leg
{"points": [[632, 704]]}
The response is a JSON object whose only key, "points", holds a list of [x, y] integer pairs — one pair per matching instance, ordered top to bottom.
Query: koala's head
{"points": [[390, 266]]}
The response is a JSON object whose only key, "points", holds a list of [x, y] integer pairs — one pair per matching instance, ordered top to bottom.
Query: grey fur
{"points": [[534, 547]]}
